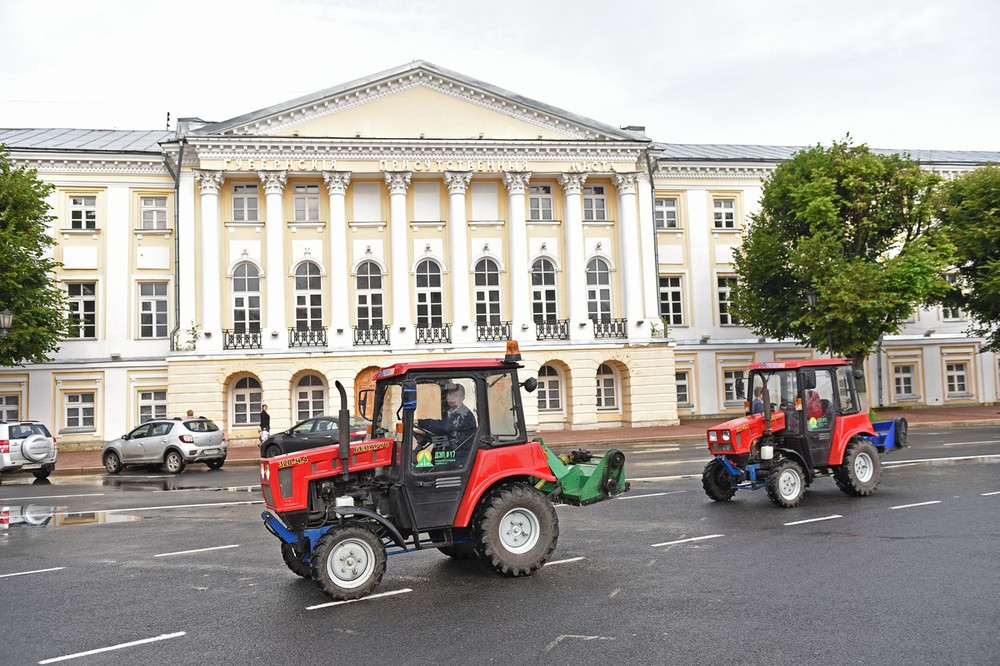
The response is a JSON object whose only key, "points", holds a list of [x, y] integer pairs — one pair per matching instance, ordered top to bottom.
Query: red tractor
{"points": [[803, 420], [449, 465]]}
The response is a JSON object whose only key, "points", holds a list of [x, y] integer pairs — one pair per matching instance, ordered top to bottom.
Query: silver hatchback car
{"points": [[172, 443]]}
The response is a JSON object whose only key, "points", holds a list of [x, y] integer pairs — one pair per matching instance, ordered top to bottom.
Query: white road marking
{"points": [[985, 441], [672, 449], [670, 462], [897, 463], [675, 477], [672, 492], [995, 492], [13, 499], [172, 506], [907, 506], [814, 520], [671, 543], [197, 550], [572, 559], [25, 573], [614, 592], [351, 601], [161, 637], [580, 638]]}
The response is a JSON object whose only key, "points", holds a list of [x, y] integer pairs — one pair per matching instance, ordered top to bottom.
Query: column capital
{"points": [[210, 181], [274, 181], [337, 181], [398, 181], [457, 181], [516, 181], [573, 182], [626, 182]]}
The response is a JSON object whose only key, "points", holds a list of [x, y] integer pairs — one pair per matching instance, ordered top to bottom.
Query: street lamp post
{"points": [[811, 296], [6, 317]]}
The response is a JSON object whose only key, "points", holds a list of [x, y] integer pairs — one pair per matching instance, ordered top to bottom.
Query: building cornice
{"points": [[84, 163]]}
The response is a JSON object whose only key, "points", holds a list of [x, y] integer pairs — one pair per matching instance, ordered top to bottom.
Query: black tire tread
{"points": [[844, 475], [710, 482], [772, 485], [487, 541]]}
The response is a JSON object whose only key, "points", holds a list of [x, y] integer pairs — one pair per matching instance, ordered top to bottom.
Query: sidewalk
{"points": [[79, 462]]}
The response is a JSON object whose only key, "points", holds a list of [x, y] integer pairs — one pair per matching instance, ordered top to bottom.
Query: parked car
{"points": [[310, 434], [172, 443], [27, 446]]}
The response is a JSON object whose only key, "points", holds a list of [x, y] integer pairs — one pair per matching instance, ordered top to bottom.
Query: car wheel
{"points": [[272, 451], [112, 462], [173, 463], [216, 464], [42, 473], [859, 474], [716, 481], [786, 484], [516, 530], [348, 562]]}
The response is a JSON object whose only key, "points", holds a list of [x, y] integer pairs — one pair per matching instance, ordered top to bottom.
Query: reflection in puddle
{"points": [[38, 515]]}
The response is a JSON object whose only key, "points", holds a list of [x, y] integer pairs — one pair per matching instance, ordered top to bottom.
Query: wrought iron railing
{"points": [[610, 328], [554, 329], [499, 331], [433, 334], [376, 335], [307, 337], [241, 340]]}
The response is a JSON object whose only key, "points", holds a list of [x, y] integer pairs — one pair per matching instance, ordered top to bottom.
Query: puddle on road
{"points": [[39, 515]]}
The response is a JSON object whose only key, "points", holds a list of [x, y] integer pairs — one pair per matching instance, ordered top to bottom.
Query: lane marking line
{"points": [[986, 441], [672, 449], [669, 462], [891, 463], [675, 477], [672, 492], [995, 492], [12, 499], [173, 506], [907, 506], [814, 520], [671, 543], [197, 550], [572, 559], [25, 573], [351, 601], [161, 637], [579, 638]]}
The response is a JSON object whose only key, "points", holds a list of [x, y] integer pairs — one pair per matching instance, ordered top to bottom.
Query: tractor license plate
{"points": [[210, 452]]}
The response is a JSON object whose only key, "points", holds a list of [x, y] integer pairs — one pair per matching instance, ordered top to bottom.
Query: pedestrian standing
{"points": [[265, 423]]}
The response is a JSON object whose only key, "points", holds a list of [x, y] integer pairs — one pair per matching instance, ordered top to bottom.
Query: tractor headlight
{"points": [[725, 435], [713, 436]]}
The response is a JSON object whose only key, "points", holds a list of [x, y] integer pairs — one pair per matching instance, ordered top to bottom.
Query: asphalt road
{"points": [[148, 568]]}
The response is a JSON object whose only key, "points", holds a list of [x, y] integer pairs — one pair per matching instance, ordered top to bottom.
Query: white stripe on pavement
{"points": [[985, 441], [668, 462], [897, 463], [675, 477], [672, 492], [995, 492], [12, 499], [172, 506], [907, 506], [814, 520], [671, 543], [197, 550], [572, 559], [25, 573], [351, 601], [161, 637]]}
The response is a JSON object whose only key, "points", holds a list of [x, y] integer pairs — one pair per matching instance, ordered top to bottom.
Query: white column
{"points": [[399, 182], [647, 241], [629, 246], [186, 270], [211, 270], [339, 271], [575, 274], [520, 293], [463, 329], [275, 333]]}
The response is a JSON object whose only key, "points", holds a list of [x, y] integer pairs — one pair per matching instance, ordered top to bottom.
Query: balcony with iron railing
{"points": [[610, 328], [552, 329], [496, 332], [433, 334], [371, 335], [307, 337], [241, 339]]}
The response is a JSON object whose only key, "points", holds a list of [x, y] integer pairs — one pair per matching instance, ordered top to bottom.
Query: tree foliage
{"points": [[969, 210], [853, 227], [27, 272]]}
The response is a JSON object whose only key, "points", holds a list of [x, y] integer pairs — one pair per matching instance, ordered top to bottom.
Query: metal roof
{"points": [[85, 140]]}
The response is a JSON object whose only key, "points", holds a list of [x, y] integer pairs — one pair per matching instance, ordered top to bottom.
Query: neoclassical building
{"points": [[408, 215]]}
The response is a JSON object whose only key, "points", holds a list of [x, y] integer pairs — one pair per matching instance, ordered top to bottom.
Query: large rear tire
{"points": [[859, 474], [715, 481], [786, 484], [516, 530], [294, 561], [348, 562]]}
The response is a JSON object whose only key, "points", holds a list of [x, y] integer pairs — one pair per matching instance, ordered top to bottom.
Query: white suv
{"points": [[27, 446]]}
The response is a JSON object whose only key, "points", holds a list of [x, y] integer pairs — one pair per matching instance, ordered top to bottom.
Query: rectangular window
{"points": [[540, 202], [245, 203], [307, 203], [595, 205], [83, 212], [153, 212], [665, 213], [724, 213], [671, 300], [81, 303], [153, 310], [951, 313], [726, 317], [957, 375], [903, 378], [683, 381], [734, 382], [152, 405], [10, 407], [78, 410]]}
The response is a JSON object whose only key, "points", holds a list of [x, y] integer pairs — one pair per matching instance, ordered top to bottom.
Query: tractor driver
{"points": [[458, 424]]}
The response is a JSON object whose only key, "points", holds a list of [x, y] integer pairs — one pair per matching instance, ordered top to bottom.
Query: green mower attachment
{"points": [[582, 480]]}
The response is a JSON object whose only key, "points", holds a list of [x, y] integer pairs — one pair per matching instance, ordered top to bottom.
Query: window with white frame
{"points": [[306, 200], [245, 202], [540, 202], [595, 203], [83, 212], [152, 213], [665, 213], [724, 213], [487, 280], [598, 290], [725, 290], [543, 291], [308, 297], [246, 298], [370, 298], [671, 300], [430, 303], [81, 304], [152, 309], [950, 312], [957, 377], [682, 379], [903, 381], [733, 383], [607, 388], [549, 389], [310, 397], [246, 401], [152, 405], [10, 407], [78, 410]]}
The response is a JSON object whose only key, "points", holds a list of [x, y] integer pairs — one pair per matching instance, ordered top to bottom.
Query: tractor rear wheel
{"points": [[861, 470], [715, 481], [786, 484], [516, 530], [295, 562], [348, 562]]}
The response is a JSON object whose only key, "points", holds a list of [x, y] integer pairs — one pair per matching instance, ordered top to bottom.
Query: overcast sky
{"points": [[916, 74]]}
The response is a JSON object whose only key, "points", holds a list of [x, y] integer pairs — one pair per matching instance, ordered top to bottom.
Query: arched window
{"points": [[598, 290], [543, 291], [487, 292], [308, 297], [246, 298], [370, 299], [430, 308], [607, 387], [549, 389], [310, 397], [246, 401]]}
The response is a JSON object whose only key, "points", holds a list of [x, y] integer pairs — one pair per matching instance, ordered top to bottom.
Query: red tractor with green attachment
{"points": [[804, 420], [448, 465]]}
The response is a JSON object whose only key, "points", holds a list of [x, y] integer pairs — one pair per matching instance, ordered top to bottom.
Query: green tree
{"points": [[969, 210], [853, 227], [27, 287]]}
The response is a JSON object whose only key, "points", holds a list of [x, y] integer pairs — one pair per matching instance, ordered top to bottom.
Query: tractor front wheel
{"points": [[861, 470], [715, 481], [786, 484], [516, 530], [295, 562], [348, 562]]}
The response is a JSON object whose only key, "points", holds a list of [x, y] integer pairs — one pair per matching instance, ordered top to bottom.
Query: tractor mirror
{"points": [[808, 379], [530, 384], [409, 395], [363, 402]]}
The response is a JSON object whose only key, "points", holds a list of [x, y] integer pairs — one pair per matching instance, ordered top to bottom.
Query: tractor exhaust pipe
{"points": [[343, 429]]}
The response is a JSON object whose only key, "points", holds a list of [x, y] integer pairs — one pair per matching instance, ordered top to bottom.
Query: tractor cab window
{"points": [[780, 391], [846, 392], [819, 402], [389, 421], [445, 423], [505, 427]]}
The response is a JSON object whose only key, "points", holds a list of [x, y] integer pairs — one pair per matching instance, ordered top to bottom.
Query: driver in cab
{"points": [[458, 424]]}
